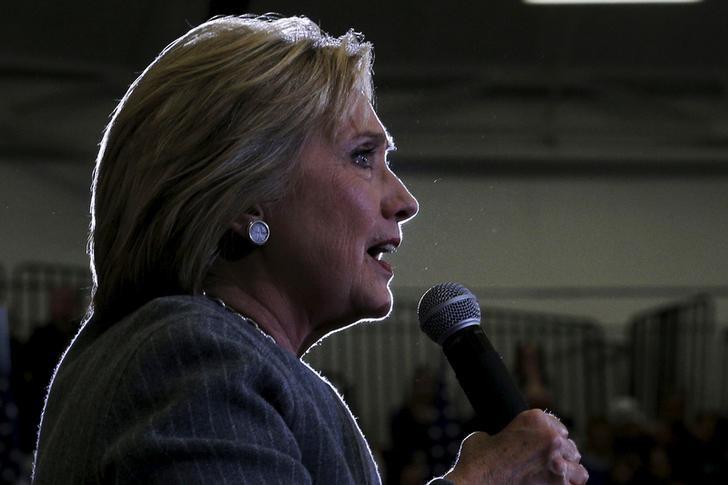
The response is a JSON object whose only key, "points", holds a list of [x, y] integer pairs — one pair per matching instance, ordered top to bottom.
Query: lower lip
{"points": [[385, 265]]}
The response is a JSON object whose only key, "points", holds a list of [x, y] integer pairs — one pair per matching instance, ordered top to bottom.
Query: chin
{"points": [[378, 308], [364, 313], [380, 313]]}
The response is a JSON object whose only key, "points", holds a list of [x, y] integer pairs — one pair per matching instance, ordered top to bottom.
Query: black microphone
{"points": [[450, 315]]}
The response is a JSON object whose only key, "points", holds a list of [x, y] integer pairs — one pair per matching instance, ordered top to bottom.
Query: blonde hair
{"points": [[212, 127]]}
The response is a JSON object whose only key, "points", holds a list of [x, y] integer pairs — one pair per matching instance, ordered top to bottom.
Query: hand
{"points": [[533, 449]]}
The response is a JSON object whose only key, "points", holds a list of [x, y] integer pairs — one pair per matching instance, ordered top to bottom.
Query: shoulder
{"points": [[195, 313], [168, 325], [189, 337], [185, 345], [170, 353], [180, 381]]}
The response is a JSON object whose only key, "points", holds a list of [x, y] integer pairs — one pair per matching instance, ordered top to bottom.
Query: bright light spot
{"points": [[595, 2]]}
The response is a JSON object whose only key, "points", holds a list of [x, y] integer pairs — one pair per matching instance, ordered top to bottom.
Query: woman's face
{"points": [[343, 212]]}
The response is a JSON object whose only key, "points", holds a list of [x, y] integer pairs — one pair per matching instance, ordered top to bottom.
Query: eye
{"points": [[363, 157]]}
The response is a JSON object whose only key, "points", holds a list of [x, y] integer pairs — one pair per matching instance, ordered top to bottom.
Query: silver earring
{"points": [[258, 232]]}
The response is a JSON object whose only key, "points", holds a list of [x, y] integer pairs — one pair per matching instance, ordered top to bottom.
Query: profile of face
{"points": [[342, 214]]}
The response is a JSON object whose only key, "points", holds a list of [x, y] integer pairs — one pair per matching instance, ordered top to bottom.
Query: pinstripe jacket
{"points": [[183, 391]]}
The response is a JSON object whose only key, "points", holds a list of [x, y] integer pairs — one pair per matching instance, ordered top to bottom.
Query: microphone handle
{"points": [[484, 378]]}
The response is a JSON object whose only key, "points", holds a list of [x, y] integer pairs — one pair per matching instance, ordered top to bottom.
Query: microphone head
{"points": [[445, 309]]}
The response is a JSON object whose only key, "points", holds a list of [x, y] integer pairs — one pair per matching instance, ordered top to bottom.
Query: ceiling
{"points": [[495, 86]]}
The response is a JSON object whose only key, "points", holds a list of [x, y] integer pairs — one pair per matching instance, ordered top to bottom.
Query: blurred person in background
{"points": [[242, 203], [35, 359], [531, 376], [426, 432], [11, 458]]}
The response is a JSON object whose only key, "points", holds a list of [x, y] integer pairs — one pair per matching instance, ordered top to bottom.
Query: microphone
{"points": [[450, 315]]}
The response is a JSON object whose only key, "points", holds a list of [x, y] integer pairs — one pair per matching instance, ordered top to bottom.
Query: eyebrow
{"points": [[379, 138]]}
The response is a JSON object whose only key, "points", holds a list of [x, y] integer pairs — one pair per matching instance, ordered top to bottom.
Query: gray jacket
{"points": [[183, 391]]}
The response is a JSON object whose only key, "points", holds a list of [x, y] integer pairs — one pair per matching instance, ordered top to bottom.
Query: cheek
{"points": [[361, 209], [351, 214], [336, 221], [331, 235], [345, 241]]}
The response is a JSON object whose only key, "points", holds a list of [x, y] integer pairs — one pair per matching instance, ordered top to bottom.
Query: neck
{"points": [[260, 300]]}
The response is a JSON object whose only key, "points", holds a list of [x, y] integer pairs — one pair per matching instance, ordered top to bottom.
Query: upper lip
{"points": [[385, 245]]}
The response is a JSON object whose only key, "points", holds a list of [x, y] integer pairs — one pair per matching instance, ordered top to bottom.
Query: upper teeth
{"points": [[387, 248], [381, 250]]}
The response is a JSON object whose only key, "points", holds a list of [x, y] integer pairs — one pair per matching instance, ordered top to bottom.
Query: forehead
{"points": [[363, 121]]}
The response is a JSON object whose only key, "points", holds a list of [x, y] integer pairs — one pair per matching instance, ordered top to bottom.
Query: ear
{"points": [[240, 224], [235, 244]]}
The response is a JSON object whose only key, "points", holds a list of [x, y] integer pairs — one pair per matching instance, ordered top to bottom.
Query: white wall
{"points": [[43, 212], [548, 232]]}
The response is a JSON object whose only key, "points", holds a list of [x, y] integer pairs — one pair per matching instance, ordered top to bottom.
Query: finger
{"points": [[556, 424], [563, 447], [569, 451], [557, 466], [572, 473], [575, 473]]}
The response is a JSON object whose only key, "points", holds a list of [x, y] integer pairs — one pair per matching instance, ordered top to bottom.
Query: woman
{"points": [[241, 207]]}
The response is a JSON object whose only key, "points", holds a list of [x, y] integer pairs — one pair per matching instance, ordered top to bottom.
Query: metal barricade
{"points": [[670, 354]]}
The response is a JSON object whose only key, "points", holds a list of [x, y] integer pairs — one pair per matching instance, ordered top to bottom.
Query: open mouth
{"points": [[379, 250]]}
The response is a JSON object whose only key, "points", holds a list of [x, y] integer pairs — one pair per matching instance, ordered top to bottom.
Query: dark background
{"points": [[571, 165]]}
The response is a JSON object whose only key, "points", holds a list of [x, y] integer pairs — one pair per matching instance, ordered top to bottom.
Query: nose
{"points": [[399, 204]]}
